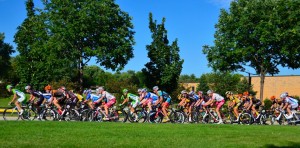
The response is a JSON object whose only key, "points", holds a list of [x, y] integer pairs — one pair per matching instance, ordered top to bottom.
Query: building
{"points": [[275, 85], [190, 86]]}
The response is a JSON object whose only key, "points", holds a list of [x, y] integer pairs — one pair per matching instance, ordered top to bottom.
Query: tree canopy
{"points": [[258, 34], [65, 35], [5, 55], [165, 64]]}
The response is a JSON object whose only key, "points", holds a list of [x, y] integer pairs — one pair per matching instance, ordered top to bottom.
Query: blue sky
{"points": [[190, 21]]}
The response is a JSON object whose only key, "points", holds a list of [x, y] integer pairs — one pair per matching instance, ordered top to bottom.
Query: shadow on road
{"points": [[290, 145]]}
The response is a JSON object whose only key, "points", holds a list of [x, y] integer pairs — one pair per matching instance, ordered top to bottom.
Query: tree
{"points": [[91, 28], [257, 34], [57, 41], [5, 51], [165, 64], [188, 78], [222, 82]]}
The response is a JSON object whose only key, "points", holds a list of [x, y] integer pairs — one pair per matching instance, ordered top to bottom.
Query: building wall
{"points": [[275, 85], [190, 86]]}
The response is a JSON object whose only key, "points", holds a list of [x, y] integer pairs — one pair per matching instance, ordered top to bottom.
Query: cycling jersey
{"points": [[20, 94], [38, 95], [108, 96], [151, 96], [165, 96], [93, 97], [132, 97], [194, 97], [217, 97], [293, 102]]}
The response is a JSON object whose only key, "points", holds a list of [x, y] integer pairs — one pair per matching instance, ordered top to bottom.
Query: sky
{"points": [[190, 21]]}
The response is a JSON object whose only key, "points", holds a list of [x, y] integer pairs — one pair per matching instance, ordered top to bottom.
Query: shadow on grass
{"points": [[290, 145]]}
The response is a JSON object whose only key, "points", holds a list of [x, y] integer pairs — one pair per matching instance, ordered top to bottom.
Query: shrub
{"points": [[268, 103]]}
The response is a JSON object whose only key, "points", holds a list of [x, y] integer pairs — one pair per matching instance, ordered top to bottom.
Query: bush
{"points": [[3, 92], [268, 103]]}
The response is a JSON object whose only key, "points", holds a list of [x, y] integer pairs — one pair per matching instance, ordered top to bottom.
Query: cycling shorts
{"points": [[22, 99], [40, 100], [110, 103], [134, 104], [166, 104], [219, 104]]}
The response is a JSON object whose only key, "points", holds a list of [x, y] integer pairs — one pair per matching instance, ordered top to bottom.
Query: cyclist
{"points": [[35, 94], [47, 94], [92, 97], [18, 98], [58, 98], [72, 98], [149, 98], [165, 98], [133, 99], [184, 99], [193, 99], [110, 100], [219, 102], [234, 103], [289, 104], [255, 105]]}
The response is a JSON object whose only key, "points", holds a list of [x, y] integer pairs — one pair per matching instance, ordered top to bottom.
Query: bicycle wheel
{"points": [[11, 114], [29, 114], [48, 114], [84, 115], [123, 116], [142, 116], [177, 117], [245, 118], [263, 119]]}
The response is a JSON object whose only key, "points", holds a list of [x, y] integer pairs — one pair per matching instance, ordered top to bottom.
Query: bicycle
{"points": [[12, 113], [48, 113]]}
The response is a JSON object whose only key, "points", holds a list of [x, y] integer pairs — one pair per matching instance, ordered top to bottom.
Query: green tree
{"points": [[91, 28], [258, 34], [5, 55], [165, 64], [188, 78], [222, 82]]}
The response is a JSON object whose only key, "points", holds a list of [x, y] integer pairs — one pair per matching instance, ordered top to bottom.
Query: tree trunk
{"points": [[81, 65], [262, 82]]}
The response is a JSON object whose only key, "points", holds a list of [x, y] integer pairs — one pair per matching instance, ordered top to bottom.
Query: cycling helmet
{"points": [[8, 86], [27, 87], [48, 87], [63, 88], [101, 88], [155, 88], [125, 90], [140, 90], [144, 90], [184, 92], [200, 92], [209, 92], [229, 93], [246, 93], [283, 95], [272, 97]]}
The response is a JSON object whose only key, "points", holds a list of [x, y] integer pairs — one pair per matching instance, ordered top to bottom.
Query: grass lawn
{"points": [[92, 134]]}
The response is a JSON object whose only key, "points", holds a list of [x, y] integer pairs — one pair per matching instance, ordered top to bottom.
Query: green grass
{"points": [[4, 101], [92, 134]]}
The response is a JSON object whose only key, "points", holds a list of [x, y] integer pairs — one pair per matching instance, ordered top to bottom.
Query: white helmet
{"points": [[209, 92], [283, 95]]}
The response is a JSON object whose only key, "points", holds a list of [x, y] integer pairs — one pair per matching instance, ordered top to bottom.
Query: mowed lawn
{"points": [[92, 134]]}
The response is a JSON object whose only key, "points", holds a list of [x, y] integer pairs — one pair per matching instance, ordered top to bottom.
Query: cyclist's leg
{"points": [[108, 105], [219, 106], [165, 107]]}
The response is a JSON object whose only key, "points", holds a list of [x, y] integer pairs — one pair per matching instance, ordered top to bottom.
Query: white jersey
{"points": [[108, 96], [217, 97], [291, 101]]}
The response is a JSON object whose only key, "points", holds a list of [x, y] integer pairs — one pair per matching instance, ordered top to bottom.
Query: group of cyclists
{"points": [[151, 99]]}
